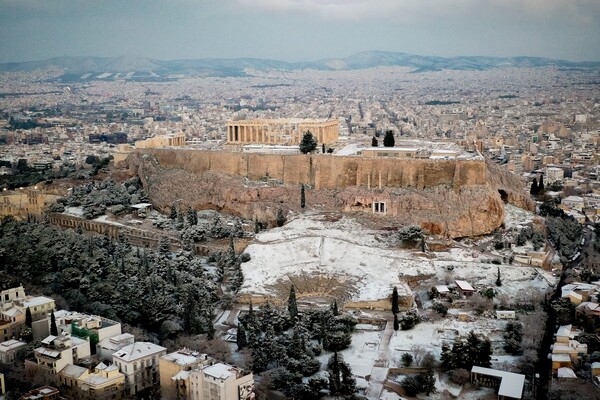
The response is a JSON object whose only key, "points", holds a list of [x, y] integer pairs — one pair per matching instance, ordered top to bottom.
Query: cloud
{"points": [[359, 9]]}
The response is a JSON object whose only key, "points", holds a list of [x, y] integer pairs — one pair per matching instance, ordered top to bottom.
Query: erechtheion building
{"points": [[281, 131]]}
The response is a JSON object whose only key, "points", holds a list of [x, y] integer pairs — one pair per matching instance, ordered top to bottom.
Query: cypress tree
{"points": [[388, 139], [374, 142], [323, 148], [541, 185], [534, 187], [302, 197], [173, 214], [280, 217], [498, 280], [395, 301], [292, 305], [334, 308], [28, 318], [396, 323], [53, 326], [210, 332], [241, 337]]}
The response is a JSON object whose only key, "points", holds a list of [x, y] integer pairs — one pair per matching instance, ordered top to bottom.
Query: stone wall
{"points": [[326, 171]]}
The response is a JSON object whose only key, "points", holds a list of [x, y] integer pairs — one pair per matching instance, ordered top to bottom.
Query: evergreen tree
{"points": [[388, 139], [374, 142], [308, 143], [323, 148], [541, 185], [534, 187], [302, 197], [173, 214], [192, 216], [280, 217], [256, 225], [498, 280], [395, 301], [292, 305], [334, 308], [28, 318], [396, 323], [53, 326], [210, 331], [241, 337], [483, 356], [333, 367]]}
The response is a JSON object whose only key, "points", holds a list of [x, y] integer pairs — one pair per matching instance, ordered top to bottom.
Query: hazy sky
{"points": [[295, 30]]}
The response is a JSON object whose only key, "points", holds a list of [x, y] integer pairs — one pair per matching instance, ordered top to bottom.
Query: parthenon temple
{"points": [[281, 131]]}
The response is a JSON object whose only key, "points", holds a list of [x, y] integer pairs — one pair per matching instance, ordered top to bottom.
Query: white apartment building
{"points": [[554, 174], [109, 346], [59, 351], [139, 362], [221, 382]]}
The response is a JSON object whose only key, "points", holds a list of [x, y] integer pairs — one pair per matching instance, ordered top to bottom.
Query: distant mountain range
{"points": [[139, 68]]}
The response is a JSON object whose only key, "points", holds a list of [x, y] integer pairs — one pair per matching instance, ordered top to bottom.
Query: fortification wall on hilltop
{"points": [[326, 171]]}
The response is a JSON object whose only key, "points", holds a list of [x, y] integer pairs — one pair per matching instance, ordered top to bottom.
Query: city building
{"points": [[281, 131], [14, 304], [91, 327], [109, 346], [9, 349], [56, 352], [139, 362], [175, 372], [221, 382], [103, 383], [508, 384], [43, 393]]}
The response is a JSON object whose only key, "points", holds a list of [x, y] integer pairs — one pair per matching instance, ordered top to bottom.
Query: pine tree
{"points": [[388, 139], [374, 142], [308, 143], [534, 187], [302, 197], [498, 280], [395, 301], [292, 305], [396, 323], [53, 326], [483, 356], [333, 367]]}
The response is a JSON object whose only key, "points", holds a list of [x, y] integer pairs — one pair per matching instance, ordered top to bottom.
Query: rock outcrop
{"points": [[443, 209]]}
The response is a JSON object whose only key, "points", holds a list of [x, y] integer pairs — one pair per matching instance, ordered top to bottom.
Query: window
{"points": [[379, 207]]}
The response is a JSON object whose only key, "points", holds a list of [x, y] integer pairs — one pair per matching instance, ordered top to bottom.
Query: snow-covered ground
{"points": [[516, 217], [365, 264], [368, 265]]}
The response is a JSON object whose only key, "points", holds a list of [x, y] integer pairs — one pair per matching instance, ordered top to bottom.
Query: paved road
{"points": [[380, 368]]}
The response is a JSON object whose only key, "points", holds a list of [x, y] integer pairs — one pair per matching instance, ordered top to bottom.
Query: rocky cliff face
{"points": [[468, 210]]}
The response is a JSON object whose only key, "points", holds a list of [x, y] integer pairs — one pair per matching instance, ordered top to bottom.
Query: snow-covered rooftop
{"points": [[138, 350], [220, 371], [511, 384]]}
